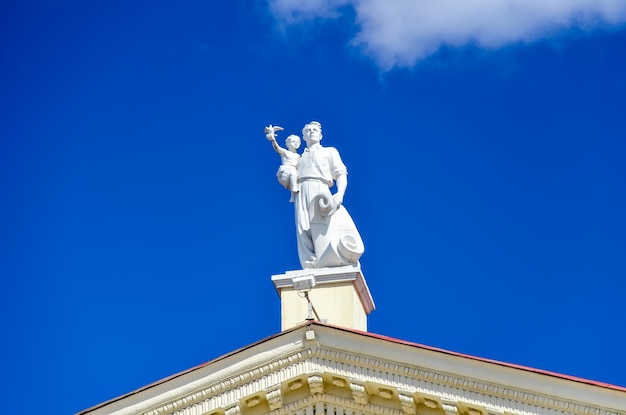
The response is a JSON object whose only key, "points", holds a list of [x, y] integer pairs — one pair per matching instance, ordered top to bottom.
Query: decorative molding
{"points": [[390, 375], [339, 382], [296, 384], [316, 384], [448, 385], [358, 393], [385, 393], [275, 399], [254, 401], [323, 402], [430, 403], [408, 404], [450, 409], [235, 410]]}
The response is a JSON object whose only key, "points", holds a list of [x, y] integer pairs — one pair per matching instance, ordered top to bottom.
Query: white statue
{"points": [[287, 172], [327, 236]]}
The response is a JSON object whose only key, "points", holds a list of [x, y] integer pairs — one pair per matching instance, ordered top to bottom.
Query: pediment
{"points": [[317, 369]]}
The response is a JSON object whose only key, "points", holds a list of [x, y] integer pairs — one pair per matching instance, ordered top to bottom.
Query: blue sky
{"points": [[142, 218]]}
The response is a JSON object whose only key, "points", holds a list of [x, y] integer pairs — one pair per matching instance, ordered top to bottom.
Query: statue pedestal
{"points": [[340, 297]]}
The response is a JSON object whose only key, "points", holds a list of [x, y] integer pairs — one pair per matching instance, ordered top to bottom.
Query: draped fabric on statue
{"points": [[327, 235]]}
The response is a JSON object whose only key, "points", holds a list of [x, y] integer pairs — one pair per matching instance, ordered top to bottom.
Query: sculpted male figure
{"points": [[327, 236]]}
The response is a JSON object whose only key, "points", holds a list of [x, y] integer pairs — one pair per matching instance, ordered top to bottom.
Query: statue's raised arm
{"points": [[270, 134]]}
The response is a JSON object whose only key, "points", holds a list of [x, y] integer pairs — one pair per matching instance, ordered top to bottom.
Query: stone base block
{"points": [[340, 297]]}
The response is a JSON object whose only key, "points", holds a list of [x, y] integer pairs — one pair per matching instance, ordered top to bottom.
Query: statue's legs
{"points": [[306, 250]]}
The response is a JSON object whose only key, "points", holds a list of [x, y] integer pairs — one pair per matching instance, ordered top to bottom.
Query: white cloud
{"points": [[295, 11], [401, 32]]}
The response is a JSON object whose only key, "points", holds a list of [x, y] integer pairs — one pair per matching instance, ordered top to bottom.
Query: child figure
{"points": [[288, 171]]}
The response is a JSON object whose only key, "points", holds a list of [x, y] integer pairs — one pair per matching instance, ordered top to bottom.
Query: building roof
{"points": [[321, 348], [481, 359]]}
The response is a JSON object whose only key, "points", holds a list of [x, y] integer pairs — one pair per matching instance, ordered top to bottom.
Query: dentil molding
{"points": [[397, 389]]}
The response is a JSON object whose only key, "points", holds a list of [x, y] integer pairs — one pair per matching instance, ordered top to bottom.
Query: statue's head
{"points": [[312, 133], [293, 142]]}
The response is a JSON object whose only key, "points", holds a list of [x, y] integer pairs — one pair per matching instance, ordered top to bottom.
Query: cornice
{"points": [[326, 276], [366, 378], [445, 385], [323, 401]]}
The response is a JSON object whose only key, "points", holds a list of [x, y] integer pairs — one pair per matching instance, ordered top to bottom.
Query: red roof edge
{"points": [[367, 334], [480, 359], [184, 372]]}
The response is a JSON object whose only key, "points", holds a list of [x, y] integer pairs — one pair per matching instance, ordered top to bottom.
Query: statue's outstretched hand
{"points": [[270, 131]]}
